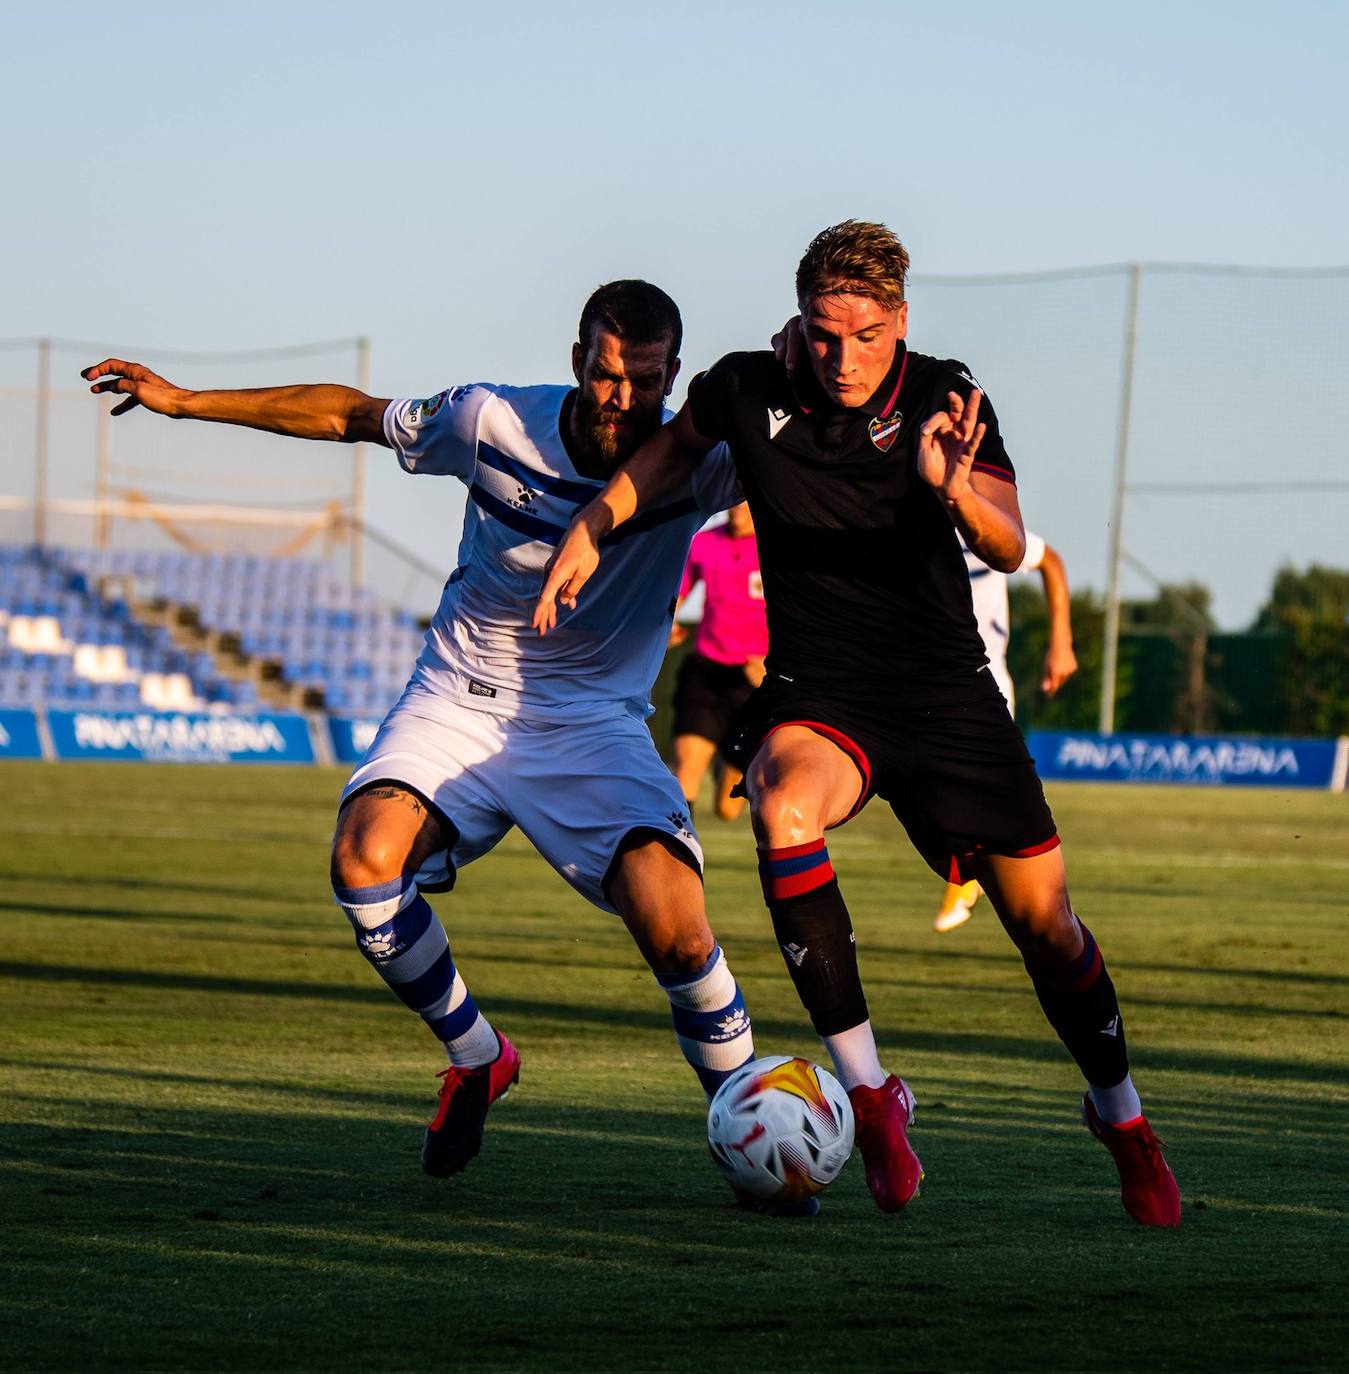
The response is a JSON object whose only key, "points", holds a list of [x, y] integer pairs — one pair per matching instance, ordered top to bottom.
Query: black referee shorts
{"points": [[707, 696], [955, 768]]}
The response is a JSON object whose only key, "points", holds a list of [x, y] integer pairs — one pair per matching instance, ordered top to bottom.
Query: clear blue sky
{"points": [[453, 180]]}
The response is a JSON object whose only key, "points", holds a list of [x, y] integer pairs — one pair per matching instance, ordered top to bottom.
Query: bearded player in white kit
{"points": [[498, 727]]}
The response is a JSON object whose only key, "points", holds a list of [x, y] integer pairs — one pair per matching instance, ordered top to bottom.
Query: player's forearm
{"points": [[323, 411], [658, 469], [991, 532], [1057, 600]]}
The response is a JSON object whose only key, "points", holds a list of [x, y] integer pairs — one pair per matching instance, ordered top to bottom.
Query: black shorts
{"points": [[707, 696], [955, 769]]}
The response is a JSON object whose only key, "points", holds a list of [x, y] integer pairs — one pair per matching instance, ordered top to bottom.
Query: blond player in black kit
{"points": [[864, 471]]}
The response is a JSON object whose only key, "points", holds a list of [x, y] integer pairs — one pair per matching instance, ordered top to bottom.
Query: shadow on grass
{"points": [[153, 882], [67, 911], [932, 955], [511, 1011]]}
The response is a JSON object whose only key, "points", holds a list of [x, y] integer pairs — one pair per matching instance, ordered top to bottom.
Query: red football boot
{"points": [[883, 1116], [454, 1135], [1147, 1186]]}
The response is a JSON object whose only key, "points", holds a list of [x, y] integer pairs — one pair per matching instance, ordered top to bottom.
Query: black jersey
{"points": [[864, 579]]}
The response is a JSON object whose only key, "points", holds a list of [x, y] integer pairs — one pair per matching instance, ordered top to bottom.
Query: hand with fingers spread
{"points": [[138, 384], [947, 445], [568, 570]]}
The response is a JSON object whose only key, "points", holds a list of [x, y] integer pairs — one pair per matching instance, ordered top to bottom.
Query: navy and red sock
{"points": [[815, 933], [1079, 1001]]}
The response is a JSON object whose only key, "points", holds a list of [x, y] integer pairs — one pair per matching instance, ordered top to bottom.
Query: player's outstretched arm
{"points": [[302, 412], [661, 466], [983, 508], [1060, 659]]}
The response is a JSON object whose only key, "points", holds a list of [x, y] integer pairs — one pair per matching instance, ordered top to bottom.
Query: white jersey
{"points": [[505, 444], [988, 591]]}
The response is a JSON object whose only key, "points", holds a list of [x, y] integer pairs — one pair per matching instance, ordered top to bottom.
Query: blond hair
{"points": [[857, 258]]}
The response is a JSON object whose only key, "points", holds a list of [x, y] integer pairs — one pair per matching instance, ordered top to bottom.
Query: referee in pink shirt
{"points": [[727, 659]]}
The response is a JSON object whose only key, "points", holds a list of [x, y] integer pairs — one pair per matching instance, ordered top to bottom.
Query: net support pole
{"points": [[44, 361], [358, 472], [1110, 654]]}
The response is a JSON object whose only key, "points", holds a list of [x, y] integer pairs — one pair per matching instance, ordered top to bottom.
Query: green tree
{"points": [[1310, 613], [1166, 641], [1162, 678]]}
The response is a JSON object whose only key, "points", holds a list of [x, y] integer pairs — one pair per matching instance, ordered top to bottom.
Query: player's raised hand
{"points": [[786, 345], [137, 383], [948, 442], [566, 572]]}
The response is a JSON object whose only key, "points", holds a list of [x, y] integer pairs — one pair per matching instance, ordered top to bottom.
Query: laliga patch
{"points": [[429, 407], [884, 432]]}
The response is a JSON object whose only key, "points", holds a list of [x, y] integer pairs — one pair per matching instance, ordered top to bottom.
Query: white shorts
{"points": [[576, 790]]}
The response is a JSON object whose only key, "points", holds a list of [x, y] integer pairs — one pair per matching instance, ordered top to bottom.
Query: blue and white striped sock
{"points": [[400, 936], [710, 1020]]}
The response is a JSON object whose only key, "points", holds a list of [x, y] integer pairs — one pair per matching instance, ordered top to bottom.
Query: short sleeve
{"points": [[711, 394], [438, 435], [992, 457], [715, 484], [1035, 553]]}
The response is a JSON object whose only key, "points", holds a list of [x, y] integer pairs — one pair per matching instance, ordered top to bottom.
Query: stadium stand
{"points": [[187, 631]]}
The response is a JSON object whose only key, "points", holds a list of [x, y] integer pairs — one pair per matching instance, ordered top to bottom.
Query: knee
{"points": [[781, 816], [362, 857], [1045, 928], [681, 951]]}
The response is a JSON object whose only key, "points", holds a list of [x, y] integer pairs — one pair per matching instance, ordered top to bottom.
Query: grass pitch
{"points": [[210, 1109]]}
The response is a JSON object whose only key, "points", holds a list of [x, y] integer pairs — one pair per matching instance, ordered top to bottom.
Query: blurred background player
{"points": [[988, 590], [726, 661], [496, 728]]}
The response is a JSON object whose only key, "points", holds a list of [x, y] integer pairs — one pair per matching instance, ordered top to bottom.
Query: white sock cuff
{"points": [[369, 907], [710, 990], [477, 1046], [1118, 1104]]}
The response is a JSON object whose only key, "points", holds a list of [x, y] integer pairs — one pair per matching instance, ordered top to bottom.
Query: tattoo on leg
{"points": [[397, 794]]}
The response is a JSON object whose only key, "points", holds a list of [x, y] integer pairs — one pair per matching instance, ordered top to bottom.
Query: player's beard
{"points": [[610, 443]]}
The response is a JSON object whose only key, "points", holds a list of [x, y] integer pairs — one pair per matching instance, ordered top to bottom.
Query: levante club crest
{"points": [[884, 432]]}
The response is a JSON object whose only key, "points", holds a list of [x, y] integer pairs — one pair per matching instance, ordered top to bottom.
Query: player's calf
{"points": [[660, 899], [815, 934], [404, 943], [1079, 1000], [710, 1020]]}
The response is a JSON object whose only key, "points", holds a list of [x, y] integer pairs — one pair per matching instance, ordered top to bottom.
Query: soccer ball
{"points": [[780, 1128]]}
